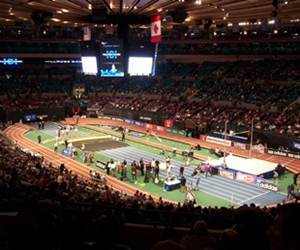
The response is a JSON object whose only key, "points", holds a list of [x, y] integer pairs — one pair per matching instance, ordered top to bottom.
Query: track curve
{"points": [[16, 133]]}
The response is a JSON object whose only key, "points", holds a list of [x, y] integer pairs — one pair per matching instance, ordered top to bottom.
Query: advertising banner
{"points": [[168, 123], [140, 124], [148, 126], [161, 129], [176, 131], [202, 137], [218, 141], [239, 145], [284, 153], [227, 174], [248, 178], [268, 186]]}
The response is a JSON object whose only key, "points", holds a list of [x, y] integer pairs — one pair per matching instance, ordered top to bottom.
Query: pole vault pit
{"points": [[100, 144]]}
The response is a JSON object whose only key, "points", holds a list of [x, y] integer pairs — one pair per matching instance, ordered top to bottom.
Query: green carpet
{"points": [[170, 143], [157, 151], [284, 181], [151, 188]]}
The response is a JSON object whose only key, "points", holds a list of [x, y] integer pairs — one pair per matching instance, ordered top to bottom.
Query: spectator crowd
{"points": [[58, 209]]}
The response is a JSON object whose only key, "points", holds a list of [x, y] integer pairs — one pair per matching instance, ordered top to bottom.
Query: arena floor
{"points": [[100, 144], [217, 187], [233, 191]]}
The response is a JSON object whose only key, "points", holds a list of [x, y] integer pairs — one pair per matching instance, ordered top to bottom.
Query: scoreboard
{"points": [[111, 58]]}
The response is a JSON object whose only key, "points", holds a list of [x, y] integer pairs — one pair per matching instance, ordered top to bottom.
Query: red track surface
{"points": [[16, 134], [291, 164]]}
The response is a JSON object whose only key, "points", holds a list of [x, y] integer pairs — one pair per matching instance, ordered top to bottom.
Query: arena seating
{"points": [[229, 65], [208, 93], [62, 201]]}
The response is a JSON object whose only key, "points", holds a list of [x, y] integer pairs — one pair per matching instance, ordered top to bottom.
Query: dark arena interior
{"points": [[149, 124]]}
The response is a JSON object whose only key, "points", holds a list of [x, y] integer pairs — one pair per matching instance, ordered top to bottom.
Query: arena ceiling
{"points": [[72, 12]]}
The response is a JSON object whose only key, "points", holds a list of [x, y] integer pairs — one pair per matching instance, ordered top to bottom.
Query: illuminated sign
{"points": [[111, 54], [111, 58], [10, 61], [62, 61], [296, 145], [245, 177], [269, 186]]}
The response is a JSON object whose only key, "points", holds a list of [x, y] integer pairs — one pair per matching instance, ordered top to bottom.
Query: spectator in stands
{"points": [[251, 225], [282, 233], [199, 238], [229, 240], [167, 245]]}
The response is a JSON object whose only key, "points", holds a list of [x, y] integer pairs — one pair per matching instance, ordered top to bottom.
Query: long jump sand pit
{"points": [[100, 144]]}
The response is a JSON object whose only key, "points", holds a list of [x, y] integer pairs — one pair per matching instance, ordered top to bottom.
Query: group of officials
{"points": [[150, 170]]}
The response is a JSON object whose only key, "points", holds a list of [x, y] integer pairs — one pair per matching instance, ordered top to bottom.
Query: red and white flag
{"points": [[155, 29]]}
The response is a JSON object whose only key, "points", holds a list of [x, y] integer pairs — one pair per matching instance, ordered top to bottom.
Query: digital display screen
{"points": [[111, 59], [10, 61], [89, 65], [140, 66], [30, 117], [296, 145]]}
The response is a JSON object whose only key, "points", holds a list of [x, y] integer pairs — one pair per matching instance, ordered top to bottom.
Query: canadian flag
{"points": [[155, 29]]}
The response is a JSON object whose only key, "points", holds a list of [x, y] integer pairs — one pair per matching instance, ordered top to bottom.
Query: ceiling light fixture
{"points": [[55, 19], [295, 20], [271, 21]]}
